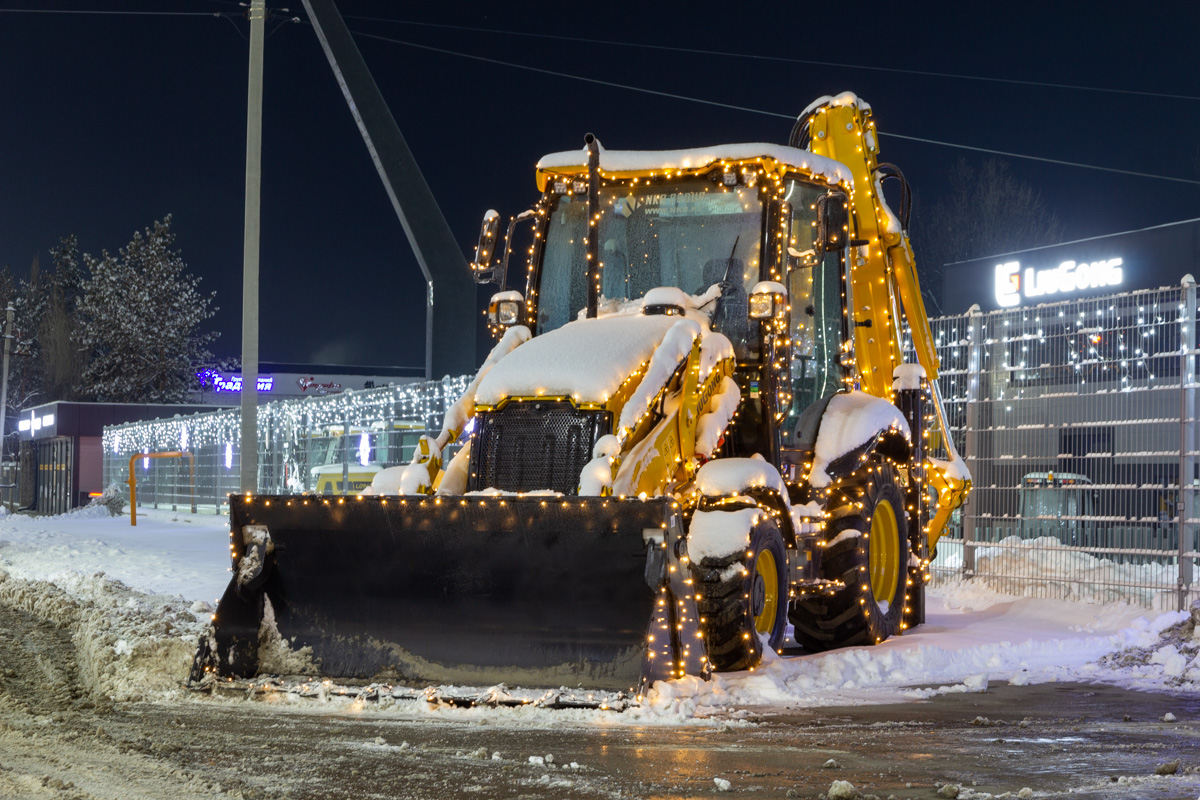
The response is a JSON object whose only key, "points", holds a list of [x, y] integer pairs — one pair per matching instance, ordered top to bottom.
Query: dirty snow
{"points": [[136, 599]]}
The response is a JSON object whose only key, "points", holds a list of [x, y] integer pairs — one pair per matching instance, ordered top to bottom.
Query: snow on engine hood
{"points": [[586, 359]]}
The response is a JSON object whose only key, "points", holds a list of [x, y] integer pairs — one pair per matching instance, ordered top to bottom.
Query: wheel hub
{"points": [[884, 554], [764, 592]]}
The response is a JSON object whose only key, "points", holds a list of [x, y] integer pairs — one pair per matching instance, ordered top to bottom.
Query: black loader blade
{"points": [[531, 591]]}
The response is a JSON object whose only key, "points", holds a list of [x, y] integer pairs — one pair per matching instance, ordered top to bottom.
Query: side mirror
{"points": [[833, 224], [481, 267], [505, 309]]}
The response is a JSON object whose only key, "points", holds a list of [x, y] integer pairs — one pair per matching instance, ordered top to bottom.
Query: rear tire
{"points": [[869, 554], [736, 605]]}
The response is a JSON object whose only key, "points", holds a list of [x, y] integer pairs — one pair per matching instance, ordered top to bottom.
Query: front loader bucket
{"points": [[533, 591]]}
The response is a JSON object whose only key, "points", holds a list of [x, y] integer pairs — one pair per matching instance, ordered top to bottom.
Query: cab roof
{"points": [[644, 163]]}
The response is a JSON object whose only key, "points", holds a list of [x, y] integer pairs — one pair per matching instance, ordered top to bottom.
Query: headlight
{"points": [[768, 299], [762, 306], [505, 309], [509, 312]]}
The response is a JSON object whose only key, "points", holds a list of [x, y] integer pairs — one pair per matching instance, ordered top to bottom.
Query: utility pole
{"points": [[8, 339], [249, 445]]}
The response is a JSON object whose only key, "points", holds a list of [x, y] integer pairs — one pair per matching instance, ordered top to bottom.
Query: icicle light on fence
{"points": [[291, 434]]}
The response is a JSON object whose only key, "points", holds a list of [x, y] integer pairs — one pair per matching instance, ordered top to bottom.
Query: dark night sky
{"points": [[109, 122]]}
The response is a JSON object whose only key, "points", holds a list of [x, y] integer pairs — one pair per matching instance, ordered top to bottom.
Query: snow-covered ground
{"points": [[136, 599]]}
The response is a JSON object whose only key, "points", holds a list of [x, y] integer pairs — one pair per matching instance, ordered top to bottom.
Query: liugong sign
{"points": [[1014, 284]]}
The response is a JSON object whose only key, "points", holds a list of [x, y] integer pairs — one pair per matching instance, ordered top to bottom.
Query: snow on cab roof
{"points": [[700, 157]]}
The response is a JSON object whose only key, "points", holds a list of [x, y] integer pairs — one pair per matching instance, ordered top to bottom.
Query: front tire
{"points": [[868, 552], [742, 596]]}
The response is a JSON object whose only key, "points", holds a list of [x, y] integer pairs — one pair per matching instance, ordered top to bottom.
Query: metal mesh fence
{"points": [[1077, 421], [322, 444]]}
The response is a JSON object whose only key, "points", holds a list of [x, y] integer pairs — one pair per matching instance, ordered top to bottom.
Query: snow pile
{"points": [[843, 99], [714, 349], [586, 360], [851, 420], [955, 468], [416, 476], [733, 476], [389, 480], [719, 534], [1048, 567], [135, 599], [1016, 640], [132, 641], [128, 645], [275, 656], [1173, 659]]}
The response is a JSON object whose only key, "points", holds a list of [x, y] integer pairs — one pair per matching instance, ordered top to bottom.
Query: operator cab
{"points": [[712, 223]]}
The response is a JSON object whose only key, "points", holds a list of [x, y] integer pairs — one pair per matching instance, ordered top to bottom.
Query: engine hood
{"points": [[586, 360]]}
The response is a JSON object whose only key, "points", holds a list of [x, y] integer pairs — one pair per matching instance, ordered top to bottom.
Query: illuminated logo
{"points": [[1008, 284], [1012, 284], [233, 383], [317, 387]]}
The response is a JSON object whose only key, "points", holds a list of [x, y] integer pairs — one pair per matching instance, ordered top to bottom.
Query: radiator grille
{"points": [[534, 445]]}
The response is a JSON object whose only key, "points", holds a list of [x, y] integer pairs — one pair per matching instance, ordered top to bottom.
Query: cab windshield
{"points": [[689, 233]]}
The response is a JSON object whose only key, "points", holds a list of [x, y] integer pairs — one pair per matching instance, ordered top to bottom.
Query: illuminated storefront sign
{"points": [[1014, 284], [233, 383], [318, 387], [35, 422]]}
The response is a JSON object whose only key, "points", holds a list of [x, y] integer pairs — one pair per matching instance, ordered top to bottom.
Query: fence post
{"points": [[971, 440], [346, 453], [1185, 506]]}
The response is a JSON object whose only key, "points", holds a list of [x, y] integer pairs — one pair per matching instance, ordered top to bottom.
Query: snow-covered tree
{"points": [[989, 211], [141, 316], [61, 359], [25, 374]]}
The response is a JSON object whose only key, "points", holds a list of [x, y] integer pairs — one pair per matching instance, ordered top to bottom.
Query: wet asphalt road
{"points": [[1053, 738], [1073, 740]]}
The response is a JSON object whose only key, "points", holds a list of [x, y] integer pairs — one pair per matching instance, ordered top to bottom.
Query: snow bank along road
{"points": [[92, 704]]}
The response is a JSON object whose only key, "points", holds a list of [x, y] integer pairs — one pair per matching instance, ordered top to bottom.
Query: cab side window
{"points": [[815, 295]]}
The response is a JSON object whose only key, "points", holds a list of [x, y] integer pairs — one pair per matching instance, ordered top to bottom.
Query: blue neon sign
{"points": [[233, 383]]}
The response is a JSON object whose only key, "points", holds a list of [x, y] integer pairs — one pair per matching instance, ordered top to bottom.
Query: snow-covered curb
{"points": [[128, 645]]}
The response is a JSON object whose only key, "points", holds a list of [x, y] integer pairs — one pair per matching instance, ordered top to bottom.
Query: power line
{"points": [[788, 60], [576, 77], [761, 112], [1040, 158]]}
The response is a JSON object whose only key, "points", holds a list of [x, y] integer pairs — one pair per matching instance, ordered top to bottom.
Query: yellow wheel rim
{"points": [[884, 553], [766, 576]]}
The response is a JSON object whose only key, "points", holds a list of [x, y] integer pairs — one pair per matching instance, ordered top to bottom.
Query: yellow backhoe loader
{"points": [[698, 424]]}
